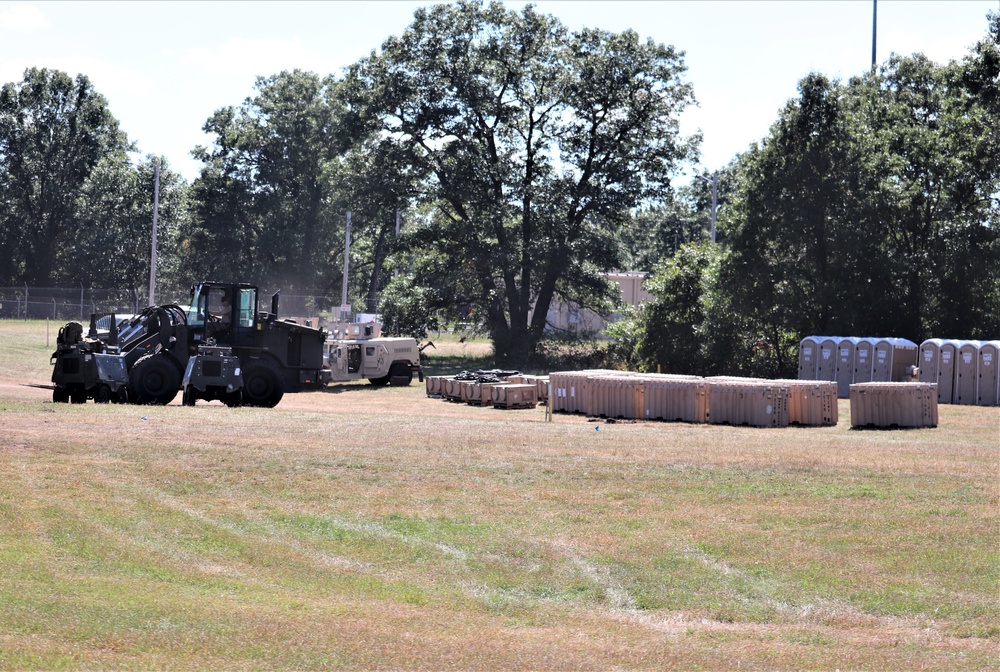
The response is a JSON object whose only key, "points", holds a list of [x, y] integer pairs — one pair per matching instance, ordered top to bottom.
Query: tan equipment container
{"points": [[513, 395], [616, 396], [676, 398], [751, 402], [812, 404], [894, 405]]}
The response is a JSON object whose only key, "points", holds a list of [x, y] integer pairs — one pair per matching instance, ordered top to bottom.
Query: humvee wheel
{"points": [[400, 375], [154, 380], [379, 382], [262, 386], [60, 395], [103, 395]]}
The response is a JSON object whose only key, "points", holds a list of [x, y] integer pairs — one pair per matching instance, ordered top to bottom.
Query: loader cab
{"points": [[223, 312]]}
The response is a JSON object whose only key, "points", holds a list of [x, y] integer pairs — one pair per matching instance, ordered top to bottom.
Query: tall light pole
{"points": [[874, 29], [715, 200], [152, 253]]}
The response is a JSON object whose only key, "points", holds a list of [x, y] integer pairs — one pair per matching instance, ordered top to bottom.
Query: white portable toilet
{"points": [[864, 353], [808, 357], [929, 360], [882, 361], [826, 365], [845, 366], [946, 370], [966, 374], [987, 393]]}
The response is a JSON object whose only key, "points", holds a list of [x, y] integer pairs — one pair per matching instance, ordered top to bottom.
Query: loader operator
{"points": [[221, 318]]}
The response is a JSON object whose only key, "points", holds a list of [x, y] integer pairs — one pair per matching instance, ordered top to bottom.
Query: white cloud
{"points": [[22, 19], [241, 57], [109, 79]]}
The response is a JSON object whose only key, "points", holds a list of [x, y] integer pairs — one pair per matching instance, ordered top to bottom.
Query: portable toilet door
{"points": [[864, 352], [989, 353], [808, 356], [947, 356], [882, 361], [929, 361], [826, 366], [845, 366], [966, 376]]}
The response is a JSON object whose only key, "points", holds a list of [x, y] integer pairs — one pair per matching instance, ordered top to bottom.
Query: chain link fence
{"points": [[77, 303]]}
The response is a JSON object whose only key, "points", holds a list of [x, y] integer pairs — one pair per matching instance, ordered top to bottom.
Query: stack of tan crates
{"points": [[676, 398], [748, 401], [812, 402], [894, 405]]}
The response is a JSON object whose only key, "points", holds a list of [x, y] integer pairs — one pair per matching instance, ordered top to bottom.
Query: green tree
{"points": [[54, 130], [538, 142], [263, 206], [114, 231]]}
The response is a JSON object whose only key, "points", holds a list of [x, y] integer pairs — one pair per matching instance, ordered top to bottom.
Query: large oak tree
{"points": [[537, 142]]}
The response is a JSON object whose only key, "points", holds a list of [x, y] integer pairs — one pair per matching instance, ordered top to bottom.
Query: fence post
{"points": [[25, 301], [81, 302], [53, 308]]}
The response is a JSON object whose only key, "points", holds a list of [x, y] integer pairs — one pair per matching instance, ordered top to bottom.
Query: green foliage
{"points": [[54, 131], [536, 143], [115, 211]]}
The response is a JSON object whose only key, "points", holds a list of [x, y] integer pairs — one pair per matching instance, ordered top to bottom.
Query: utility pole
{"points": [[874, 29], [715, 200], [152, 254], [347, 261]]}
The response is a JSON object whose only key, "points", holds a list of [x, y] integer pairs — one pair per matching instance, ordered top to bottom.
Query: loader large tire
{"points": [[155, 380], [262, 384]]}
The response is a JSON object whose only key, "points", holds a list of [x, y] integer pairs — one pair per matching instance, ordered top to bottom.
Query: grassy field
{"points": [[377, 528]]}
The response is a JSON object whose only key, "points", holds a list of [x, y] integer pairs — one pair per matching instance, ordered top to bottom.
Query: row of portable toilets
{"points": [[965, 372]]}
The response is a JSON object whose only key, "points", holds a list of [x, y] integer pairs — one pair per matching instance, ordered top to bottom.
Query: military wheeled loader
{"points": [[158, 345]]}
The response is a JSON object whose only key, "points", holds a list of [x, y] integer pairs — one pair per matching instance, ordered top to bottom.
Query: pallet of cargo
{"points": [[435, 386], [513, 395]]}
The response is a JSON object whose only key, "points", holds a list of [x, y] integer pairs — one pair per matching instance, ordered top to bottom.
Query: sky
{"points": [[165, 67]]}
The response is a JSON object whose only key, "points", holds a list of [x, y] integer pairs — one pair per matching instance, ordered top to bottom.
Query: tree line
{"points": [[526, 160]]}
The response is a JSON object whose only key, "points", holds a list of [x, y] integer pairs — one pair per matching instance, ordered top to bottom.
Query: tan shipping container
{"points": [[513, 395], [616, 396], [676, 398], [749, 402], [812, 404], [892, 404]]}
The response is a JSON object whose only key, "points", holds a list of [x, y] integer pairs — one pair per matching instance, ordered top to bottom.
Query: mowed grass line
{"points": [[380, 529]]}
